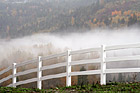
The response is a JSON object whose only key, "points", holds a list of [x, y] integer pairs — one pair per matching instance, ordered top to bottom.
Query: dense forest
{"points": [[19, 18]]}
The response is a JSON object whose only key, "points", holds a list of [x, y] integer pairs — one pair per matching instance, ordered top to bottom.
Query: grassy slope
{"points": [[112, 87]]}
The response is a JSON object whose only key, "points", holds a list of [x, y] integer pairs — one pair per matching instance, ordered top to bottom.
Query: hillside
{"points": [[27, 18], [110, 88]]}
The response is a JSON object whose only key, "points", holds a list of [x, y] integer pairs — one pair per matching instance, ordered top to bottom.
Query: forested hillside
{"points": [[19, 18]]}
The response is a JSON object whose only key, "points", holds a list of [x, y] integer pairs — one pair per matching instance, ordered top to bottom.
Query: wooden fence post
{"points": [[103, 66], [68, 69], [39, 73], [14, 77]]}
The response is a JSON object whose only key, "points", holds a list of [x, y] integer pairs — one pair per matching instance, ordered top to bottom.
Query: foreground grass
{"points": [[109, 88]]}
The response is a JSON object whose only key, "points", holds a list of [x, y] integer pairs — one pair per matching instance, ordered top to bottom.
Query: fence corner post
{"points": [[103, 66], [68, 69], [39, 72], [14, 73]]}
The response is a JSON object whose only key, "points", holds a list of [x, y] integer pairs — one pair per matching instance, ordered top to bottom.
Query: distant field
{"points": [[111, 87]]}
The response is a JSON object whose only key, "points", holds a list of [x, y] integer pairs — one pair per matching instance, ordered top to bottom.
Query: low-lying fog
{"points": [[44, 44]]}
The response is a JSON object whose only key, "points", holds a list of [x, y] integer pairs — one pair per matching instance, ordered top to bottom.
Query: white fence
{"points": [[102, 61]]}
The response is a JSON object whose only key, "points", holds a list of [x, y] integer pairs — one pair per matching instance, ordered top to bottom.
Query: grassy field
{"points": [[109, 88]]}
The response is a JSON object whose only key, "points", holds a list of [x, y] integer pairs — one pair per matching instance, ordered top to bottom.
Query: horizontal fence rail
{"points": [[117, 47], [85, 51], [54, 56], [125, 58], [26, 62], [81, 62], [69, 63], [54, 66], [5, 70], [124, 70], [26, 72], [90, 72], [53, 76], [5, 79], [26, 81]]}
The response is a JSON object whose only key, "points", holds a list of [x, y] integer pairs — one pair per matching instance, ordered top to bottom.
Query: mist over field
{"points": [[32, 28], [22, 49]]}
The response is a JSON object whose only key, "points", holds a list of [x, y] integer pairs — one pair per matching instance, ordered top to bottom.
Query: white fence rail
{"points": [[102, 60]]}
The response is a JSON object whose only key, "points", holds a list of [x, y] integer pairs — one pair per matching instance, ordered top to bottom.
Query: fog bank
{"points": [[45, 44]]}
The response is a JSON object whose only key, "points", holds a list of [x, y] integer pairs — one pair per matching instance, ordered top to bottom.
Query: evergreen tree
{"points": [[132, 20], [107, 21], [123, 21], [108, 78], [120, 78], [114, 79], [128, 79], [82, 80]]}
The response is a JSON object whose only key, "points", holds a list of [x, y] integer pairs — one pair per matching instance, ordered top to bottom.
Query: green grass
{"points": [[109, 88]]}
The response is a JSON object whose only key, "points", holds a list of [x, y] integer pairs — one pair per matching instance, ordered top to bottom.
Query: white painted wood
{"points": [[116, 47], [85, 51], [54, 56], [124, 58], [103, 60], [27, 62], [80, 62], [53, 66], [103, 66], [68, 69], [6, 70], [122, 70], [26, 72], [90, 72], [14, 73], [39, 73], [53, 76], [6, 78], [26, 81], [10, 85]]}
